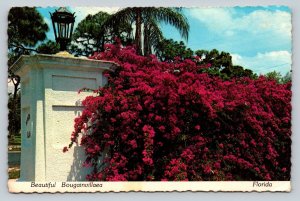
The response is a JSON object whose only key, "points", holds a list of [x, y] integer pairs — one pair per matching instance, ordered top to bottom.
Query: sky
{"points": [[258, 38]]}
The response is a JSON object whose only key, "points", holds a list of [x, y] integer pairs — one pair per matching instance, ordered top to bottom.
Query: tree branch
{"points": [[22, 47]]}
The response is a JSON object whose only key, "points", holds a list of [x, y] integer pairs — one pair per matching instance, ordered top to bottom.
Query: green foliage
{"points": [[149, 18], [26, 27], [96, 30], [93, 32], [89, 36], [152, 36], [49, 47], [169, 49], [215, 58], [221, 62], [221, 65], [237, 71], [274, 75], [286, 78], [14, 119], [15, 140], [14, 174]]}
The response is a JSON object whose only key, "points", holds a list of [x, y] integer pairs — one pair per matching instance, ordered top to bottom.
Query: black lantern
{"points": [[63, 23]]}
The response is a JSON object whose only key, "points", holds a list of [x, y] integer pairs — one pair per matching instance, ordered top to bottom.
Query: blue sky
{"points": [[258, 38]]}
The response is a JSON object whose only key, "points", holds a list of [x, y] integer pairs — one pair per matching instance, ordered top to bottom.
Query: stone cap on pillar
{"points": [[60, 61]]}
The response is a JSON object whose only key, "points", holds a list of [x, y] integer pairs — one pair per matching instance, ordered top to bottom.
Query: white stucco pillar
{"points": [[49, 104]]}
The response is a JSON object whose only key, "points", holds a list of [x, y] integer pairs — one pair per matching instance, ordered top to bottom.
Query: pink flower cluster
{"points": [[172, 121], [148, 145]]}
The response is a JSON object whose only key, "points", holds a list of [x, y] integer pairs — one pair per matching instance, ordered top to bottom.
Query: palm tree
{"points": [[148, 18]]}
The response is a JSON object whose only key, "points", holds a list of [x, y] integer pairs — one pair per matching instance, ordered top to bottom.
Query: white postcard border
{"points": [[15, 186]]}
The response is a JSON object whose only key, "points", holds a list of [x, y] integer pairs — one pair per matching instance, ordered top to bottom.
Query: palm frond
{"points": [[173, 17], [155, 34]]}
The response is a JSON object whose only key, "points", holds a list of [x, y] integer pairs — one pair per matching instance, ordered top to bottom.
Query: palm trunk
{"points": [[138, 31], [146, 40], [102, 43], [16, 81]]}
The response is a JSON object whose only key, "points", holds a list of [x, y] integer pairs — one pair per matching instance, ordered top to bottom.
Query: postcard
{"points": [[109, 99]]}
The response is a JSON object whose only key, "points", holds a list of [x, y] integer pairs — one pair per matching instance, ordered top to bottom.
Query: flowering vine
{"points": [[172, 121]]}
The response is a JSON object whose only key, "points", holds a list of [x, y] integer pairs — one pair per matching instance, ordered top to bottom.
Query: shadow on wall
{"points": [[78, 172]]}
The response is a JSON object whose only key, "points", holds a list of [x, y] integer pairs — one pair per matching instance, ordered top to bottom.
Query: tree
{"points": [[146, 21], [26, 27], [92, 34], [89, 36], [49, 47], [169, 49], [215, 58], [221, 64], [237, 71], [274, 75], [286, 78], [14, 123]]}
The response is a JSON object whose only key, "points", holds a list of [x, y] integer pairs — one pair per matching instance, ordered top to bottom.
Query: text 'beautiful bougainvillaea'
{"points": [[172, 122]]}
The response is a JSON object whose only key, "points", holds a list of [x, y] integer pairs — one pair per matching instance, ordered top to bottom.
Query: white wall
{"points": [[49, 93]]}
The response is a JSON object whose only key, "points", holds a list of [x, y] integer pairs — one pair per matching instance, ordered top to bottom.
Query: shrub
{"points": [[171, 121]]}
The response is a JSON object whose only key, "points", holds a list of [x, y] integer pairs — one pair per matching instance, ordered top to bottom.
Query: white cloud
{"points": [[82, 12], [216, 19], [228, 21], [261, 21], [260, 38], [263, 63]]}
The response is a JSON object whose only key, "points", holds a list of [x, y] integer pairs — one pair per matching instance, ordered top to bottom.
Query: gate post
{"points": [[49, 104]]}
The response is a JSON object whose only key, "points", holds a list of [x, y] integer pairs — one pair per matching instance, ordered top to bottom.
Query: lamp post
{"points": [[63, 24]]}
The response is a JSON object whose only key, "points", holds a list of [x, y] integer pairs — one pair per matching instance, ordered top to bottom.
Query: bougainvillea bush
{"points": [[173, 122]]}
